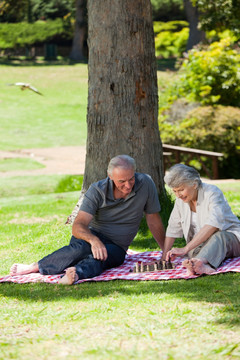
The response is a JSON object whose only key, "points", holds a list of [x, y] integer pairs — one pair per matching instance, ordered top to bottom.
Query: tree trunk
{"points": [[80, 32], [195, 35], [122, 95]]}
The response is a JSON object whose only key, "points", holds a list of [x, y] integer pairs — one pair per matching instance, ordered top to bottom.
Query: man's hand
{"points": [[81, 231], [99, 250], [175, 252]]}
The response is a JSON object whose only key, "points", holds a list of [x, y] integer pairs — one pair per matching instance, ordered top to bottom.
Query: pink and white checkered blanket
{"points": [[123, 272]]}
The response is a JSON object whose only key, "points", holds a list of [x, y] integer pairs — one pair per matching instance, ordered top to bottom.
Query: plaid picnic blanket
{"points": [[124, 272]]}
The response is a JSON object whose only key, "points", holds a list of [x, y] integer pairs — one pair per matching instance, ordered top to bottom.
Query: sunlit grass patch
{"points": [[14, 164]]}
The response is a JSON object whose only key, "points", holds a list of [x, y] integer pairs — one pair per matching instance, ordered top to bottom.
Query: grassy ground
{"points": [[57, 118], [194, 319]]}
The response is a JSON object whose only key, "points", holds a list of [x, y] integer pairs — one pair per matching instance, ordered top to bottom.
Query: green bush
{"points": [[165, 10], [25, 34], [170, 38], [211, 76], [213, 128], [69, 183]]}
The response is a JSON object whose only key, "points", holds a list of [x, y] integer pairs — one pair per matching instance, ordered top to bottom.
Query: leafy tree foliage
{"points": [[51, 9], [32, 10], [13, 11], [219, 14], [24, 34], [170, 38], [211, 75]]}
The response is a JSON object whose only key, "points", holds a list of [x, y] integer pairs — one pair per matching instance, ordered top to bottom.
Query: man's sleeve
{"points": [[91, 201], [152, 205]]}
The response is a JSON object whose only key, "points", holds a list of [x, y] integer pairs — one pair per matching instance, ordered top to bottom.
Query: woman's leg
{"points": [[219, 246], [206, 258]]}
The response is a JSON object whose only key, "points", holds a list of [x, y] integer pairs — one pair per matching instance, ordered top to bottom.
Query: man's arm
{"points": [[156, 227], [81, 231], [168, 243]]}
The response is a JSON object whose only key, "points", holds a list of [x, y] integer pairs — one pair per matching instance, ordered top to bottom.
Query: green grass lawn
{"points": [[57, 118], [13, 164], [178, 319]]}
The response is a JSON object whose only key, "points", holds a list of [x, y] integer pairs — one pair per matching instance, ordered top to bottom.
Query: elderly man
{"points": [[106, 224]]}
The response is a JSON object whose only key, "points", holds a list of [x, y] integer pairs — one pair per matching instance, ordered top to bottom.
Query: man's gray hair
{"points": [[122, 161], [180, 174]]}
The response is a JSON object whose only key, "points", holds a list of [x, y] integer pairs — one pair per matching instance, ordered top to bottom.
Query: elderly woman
{"points": [[202, 215]]}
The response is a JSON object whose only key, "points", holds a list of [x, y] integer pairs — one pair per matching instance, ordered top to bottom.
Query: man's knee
{"points": [[80, 244], [116, 256]]}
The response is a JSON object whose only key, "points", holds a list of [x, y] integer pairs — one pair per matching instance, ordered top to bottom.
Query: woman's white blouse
{"points": [[212, 209]]}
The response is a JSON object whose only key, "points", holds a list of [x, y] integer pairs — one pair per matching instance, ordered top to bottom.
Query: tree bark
{"points": [[80, 32], [195, 35], [123, 94]]}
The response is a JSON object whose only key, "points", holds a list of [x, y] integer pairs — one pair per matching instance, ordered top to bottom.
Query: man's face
{"points": [[124, 180]]}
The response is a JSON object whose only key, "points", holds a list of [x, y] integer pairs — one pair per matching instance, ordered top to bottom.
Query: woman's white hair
{"points": [[122, 161], [180, 174]]}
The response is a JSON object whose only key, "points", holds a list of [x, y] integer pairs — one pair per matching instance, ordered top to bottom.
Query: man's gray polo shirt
{"points": [[119, 219]]}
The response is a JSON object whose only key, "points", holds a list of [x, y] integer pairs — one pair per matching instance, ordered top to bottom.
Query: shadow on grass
{"points": [[38, 62], [162, 64], [166, 64], [221, 289]]}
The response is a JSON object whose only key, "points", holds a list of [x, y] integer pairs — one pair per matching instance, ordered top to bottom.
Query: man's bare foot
{"points": [[189, 266], [201, 266], [22, 269], [70, 277]]}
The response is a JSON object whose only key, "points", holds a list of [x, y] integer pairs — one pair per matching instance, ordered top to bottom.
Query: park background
{"points": [[114, 320]]}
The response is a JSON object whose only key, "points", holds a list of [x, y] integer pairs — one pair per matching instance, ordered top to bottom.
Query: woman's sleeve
{"points": [[217, 210], [174, 228]]}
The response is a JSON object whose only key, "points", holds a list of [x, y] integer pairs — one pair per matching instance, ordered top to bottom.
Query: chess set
{"points": [[140, 267]]}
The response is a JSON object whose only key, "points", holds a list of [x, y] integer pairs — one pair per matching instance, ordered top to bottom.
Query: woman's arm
{"points": [[203, 235]]}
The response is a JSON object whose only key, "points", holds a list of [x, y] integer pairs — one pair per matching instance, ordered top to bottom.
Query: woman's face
{"points": [[186, 192]]}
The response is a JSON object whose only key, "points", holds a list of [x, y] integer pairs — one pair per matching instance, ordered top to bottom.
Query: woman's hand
{"points": [[175, 252]]}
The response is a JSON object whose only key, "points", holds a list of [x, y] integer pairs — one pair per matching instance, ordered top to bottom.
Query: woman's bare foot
{"points": [[189, 266], [201, 266], [22, 269], [70, 277]]}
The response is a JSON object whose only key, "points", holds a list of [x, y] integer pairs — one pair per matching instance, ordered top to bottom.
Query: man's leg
{"points": [[64, 257], [58, 261], [90, 267], [23, 269]]}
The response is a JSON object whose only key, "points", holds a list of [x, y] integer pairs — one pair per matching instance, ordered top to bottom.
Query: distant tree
{"points": [[195, 34], [78, 51]]}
